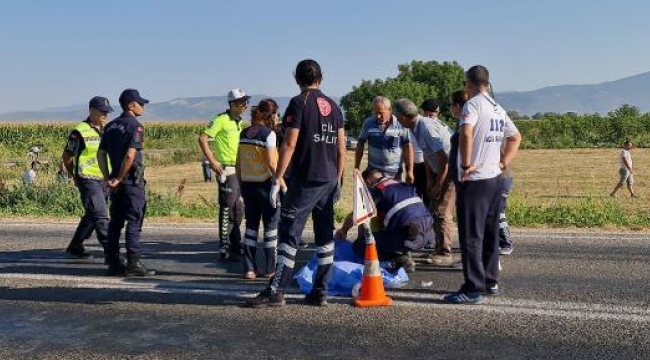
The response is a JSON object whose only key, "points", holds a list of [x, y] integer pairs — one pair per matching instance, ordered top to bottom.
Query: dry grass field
{"points": [[542, 177]]}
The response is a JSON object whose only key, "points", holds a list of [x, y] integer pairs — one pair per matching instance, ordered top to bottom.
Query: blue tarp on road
{"points": [[347, 271]]}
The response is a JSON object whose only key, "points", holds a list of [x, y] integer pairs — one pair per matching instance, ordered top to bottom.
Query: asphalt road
{"points": [[565, 296]]}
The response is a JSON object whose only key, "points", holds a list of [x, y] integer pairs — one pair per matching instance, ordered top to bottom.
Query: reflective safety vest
{"points": [[253, 154], [86, 165], [397, 203]]}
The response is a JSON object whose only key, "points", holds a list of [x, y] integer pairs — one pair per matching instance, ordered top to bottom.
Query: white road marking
{"points": [[524, 234], [494, 305]]}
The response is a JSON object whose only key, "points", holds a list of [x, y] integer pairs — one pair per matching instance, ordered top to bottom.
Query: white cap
{"points": [[237, 95]]}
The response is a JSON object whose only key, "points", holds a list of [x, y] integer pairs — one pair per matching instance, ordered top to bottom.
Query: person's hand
{"points": [[216, 167], [465, 173], [410, 178], [74, 181], [113, 184], [283, 186], [275, 190], [337, 192], [339, 234]]}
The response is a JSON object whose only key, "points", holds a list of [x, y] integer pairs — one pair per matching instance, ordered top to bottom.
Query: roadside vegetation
{"points": [[567, 167]]}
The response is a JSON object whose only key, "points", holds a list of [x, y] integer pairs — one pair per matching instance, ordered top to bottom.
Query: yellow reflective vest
{"points": [[86, 165]]}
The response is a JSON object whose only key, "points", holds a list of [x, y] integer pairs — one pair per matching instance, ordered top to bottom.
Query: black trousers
{"points": [[420, 183], [94, 197], [477, 210], [231, 214]]}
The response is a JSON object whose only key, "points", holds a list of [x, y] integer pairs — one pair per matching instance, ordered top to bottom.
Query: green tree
{"points": [[445, 77], [416, 81]]}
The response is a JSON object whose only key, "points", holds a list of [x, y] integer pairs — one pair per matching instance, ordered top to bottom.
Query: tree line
{"points": [[420, 80]]}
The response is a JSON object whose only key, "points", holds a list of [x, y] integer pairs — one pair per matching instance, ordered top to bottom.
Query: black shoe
{"points": [[505, 241], [302, 245], [78, 252], [226, 255], [404, 261], [135, 267], [116, 268], [493, 290], [266, 298], [316, 298]]}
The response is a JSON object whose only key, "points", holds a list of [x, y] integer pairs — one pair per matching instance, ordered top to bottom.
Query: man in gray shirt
{"points": [[433, 136]]}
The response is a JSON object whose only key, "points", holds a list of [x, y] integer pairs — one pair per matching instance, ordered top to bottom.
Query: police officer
{"points": [[225, 129], [123, 143], [314, 143], [80, 159], [404, 222]]}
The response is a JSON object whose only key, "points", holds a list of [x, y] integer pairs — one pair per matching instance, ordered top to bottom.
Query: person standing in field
{"points": [[484, 125], [225, 129], [388, 142], [314, 143], [122, 144], [80, 160], [257, 160], [625, 173]]}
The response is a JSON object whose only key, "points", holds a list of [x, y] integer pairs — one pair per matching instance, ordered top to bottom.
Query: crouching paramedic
{"points": [[403, 223]]}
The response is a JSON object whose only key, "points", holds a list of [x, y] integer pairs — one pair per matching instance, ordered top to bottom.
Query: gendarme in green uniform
{"points": [[225, 132], [85, 163]]}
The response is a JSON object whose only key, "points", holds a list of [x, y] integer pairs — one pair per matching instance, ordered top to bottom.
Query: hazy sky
{"points": [[58, 53]]}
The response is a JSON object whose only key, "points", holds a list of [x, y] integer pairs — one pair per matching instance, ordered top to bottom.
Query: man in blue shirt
{"points": [[123, 142], [388, 142]]}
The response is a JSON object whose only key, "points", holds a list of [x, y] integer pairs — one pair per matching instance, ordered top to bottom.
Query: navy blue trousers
{"points": [[94, 196], [305, 198], [128, 205], [258, 208], [477, 210]]}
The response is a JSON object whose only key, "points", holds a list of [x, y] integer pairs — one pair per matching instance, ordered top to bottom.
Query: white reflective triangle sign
{"points": [[364, 207]]}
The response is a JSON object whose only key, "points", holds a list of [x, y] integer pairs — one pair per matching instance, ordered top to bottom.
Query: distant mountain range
{"points": [[596, 98], [583, 99], [192, 108]]}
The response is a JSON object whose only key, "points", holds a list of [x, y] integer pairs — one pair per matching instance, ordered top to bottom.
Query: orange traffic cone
{"points": [[372, 286]]}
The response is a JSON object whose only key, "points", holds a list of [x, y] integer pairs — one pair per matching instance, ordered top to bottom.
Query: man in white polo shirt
{"points": [[483, 127]]}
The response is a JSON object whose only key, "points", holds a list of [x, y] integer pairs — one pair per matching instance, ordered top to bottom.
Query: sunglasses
{"points": [[241, 103]]}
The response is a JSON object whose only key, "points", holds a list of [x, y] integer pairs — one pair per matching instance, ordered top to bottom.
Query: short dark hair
{"points": [[308, 72], [478, 75], [459, 98], [430, 105]]}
